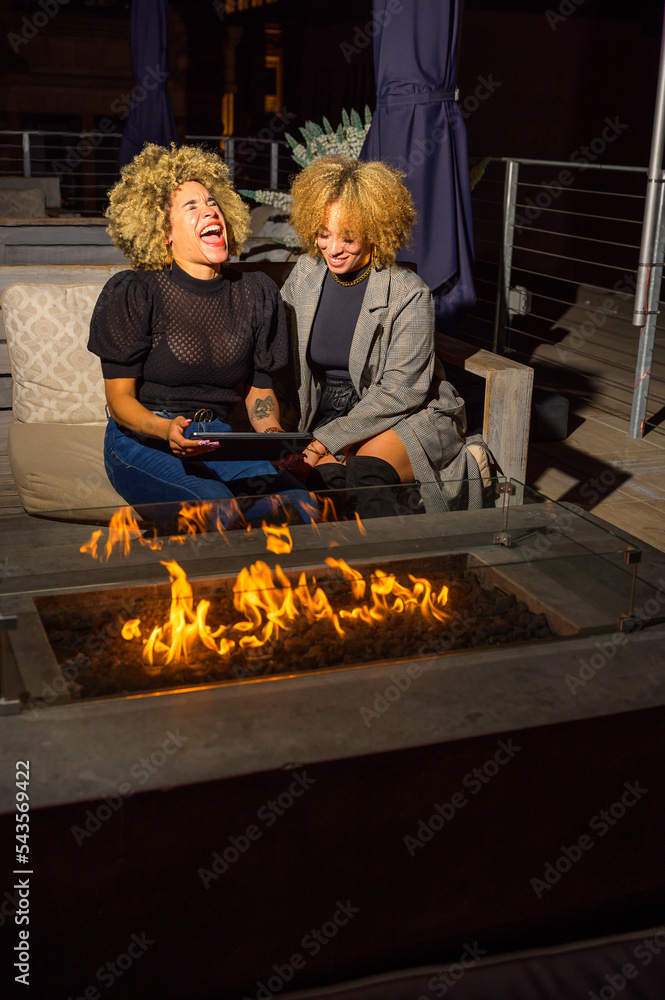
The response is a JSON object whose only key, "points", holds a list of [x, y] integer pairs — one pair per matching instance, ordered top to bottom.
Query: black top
{"points": [[334, 323], [190, 342]]}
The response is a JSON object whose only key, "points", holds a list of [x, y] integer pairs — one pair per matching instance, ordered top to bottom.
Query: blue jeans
{"points": [[147, 474]]}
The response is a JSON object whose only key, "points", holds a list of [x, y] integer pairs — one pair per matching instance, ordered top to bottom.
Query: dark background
{"points": [[559, 77]]}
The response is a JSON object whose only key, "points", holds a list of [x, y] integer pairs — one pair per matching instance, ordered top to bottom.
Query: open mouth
{"points": [[212, 235]]}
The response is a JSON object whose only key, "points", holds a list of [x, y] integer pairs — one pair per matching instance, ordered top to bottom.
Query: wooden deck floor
{"points": [[604, 471], [9, 501]]}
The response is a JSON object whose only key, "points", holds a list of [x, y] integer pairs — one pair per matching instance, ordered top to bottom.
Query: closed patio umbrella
{"points": [[150, 116], [418, 127]]}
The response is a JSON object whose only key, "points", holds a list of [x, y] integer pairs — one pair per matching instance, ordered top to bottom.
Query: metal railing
{"points": [[86, 163], [557, 249]]}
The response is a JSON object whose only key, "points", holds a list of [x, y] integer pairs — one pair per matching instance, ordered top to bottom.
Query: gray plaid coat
{"points": [[393, 367]]}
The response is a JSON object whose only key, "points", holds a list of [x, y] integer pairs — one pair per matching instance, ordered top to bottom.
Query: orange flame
{"points": [[328, 512], [203, 515], [199, 516], [361, 526], [123, 530], [278, 539], [91, 545], [356, 578], [266, 598], [270, 604], [131, 629], [173, 640]]}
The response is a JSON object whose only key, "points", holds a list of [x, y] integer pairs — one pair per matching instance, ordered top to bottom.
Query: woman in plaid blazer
{"points": [[368, 382]]}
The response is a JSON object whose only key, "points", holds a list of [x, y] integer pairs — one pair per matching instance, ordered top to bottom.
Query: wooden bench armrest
{"points": [[507, 407]]}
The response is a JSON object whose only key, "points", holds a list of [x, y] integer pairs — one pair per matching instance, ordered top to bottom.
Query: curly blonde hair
{"points": [[374, 203], [139, 210]]}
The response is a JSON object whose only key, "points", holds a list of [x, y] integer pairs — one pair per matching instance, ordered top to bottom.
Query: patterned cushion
{"points": [[25, 203], [56, 378]]}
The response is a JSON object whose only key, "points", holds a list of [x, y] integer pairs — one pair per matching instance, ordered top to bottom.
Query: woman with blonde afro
{"points": [[182, 339], [369, 385]]}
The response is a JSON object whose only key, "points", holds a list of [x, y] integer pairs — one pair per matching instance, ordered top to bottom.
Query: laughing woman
{"points": [[182, 340], [369, 385]]}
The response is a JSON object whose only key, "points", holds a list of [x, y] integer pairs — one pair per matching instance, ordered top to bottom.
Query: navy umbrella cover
{"points": [[150, 117], [418, 127]]}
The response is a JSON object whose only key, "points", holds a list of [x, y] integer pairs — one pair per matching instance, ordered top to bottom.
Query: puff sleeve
{"points": [[120, 328], [271, 344]]}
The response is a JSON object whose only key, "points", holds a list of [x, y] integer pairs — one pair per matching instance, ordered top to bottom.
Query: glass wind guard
{"points": [[550, 547], [587, 559], [240, 591]]}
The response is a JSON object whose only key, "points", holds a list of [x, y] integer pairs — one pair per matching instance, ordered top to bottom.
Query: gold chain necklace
{"points": [[356, 281]]}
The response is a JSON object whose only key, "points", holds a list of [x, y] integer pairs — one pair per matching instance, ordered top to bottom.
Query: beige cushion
{"points": [[49, 185], [30, 203], [56, 378], [56, 445], [482, 457], [60, 469]]}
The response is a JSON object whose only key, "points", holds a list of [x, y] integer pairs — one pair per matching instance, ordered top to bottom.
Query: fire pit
{"points": [[342, 596], [281, 624], [379, 741]]}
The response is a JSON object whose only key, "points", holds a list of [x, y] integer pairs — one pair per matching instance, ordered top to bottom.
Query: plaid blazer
{"points": [[392, 366]]}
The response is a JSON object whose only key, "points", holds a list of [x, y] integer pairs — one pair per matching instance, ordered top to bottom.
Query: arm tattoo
{"points": [[263, 408]]}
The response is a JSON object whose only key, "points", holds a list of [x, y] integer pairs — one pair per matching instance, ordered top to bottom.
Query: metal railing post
{"points": [[25, 147], [230, 155], [274, 165], [650, 234], [506, 256], [650, 266], [648, 310]]}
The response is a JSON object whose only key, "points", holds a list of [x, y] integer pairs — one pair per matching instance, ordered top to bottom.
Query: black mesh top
{"points": [[190, 342]]}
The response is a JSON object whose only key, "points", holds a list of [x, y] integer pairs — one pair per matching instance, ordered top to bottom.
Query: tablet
{"points": [[253, 444]]}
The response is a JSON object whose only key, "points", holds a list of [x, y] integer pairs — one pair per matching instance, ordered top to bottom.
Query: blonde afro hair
{"points": [[374, 203], [139, 210]]}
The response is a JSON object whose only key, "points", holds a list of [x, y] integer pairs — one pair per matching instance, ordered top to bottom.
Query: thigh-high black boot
{"points": [[332, 476], [370, 480]]}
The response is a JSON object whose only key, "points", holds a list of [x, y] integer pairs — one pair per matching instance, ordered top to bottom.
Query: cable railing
{"points": [[86, 163], [556, 259], [555, 276]]}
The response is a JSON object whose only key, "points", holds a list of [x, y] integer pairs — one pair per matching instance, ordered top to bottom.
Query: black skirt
{"points": [[338, 397]]}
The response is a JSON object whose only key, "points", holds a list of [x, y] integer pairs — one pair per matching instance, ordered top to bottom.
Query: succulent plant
{"points": [[346, 140], [317, 141], [280, 199]]}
